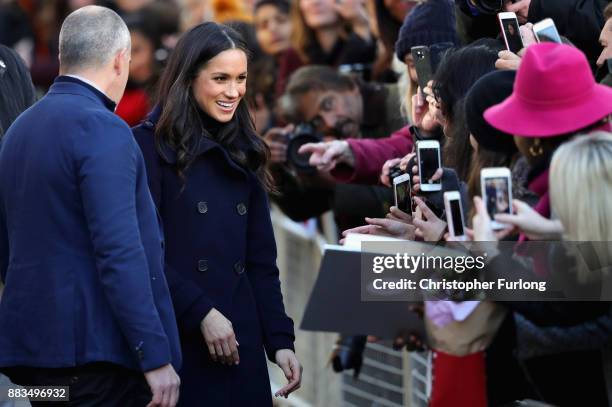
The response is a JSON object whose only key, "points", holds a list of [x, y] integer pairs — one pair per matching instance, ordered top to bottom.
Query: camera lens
{"points": [[303, 134]]}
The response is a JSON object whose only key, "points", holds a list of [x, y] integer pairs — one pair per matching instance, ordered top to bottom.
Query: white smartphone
{"points": [[510, 31], [546, 31], [428, 158], [496, 187], [403, 197], [454, 215]]}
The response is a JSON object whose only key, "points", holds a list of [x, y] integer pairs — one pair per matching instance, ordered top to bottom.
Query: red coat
{"points": [[371, 154]]}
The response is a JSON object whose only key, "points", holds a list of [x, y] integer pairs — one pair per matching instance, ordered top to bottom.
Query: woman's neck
{"points": [[327, 37], [211, 125]]}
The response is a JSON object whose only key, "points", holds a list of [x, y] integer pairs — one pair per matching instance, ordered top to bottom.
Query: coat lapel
{"points": [[205, 143]]}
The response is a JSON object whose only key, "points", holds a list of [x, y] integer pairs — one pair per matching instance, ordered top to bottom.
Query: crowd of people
{"points": [[152, 250]]}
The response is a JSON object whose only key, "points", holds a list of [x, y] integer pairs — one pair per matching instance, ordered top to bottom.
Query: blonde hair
{"points": [[406, 88], [581, 187], [580, 190]]}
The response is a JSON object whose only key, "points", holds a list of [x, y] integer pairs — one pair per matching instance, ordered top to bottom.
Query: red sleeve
{"points": [[289, 62], [371, 155]]}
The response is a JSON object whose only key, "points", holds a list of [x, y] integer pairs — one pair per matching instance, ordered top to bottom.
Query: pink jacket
{"points": [[371, 155]]}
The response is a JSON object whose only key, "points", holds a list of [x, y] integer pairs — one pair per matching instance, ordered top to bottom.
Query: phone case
{"points": [[422, 63]]}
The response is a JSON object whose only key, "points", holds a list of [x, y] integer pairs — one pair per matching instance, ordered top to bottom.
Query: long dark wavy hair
{"points": [[452, 81], [181, 124]]}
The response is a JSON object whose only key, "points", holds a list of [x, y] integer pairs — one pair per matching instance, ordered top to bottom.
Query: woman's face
{"points": [[318, 13], [273, 29], [143, 58], [221, 84], [523, 144]]}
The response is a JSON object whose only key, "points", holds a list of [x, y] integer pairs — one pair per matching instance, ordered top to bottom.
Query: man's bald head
{"points": [[90, 37]]}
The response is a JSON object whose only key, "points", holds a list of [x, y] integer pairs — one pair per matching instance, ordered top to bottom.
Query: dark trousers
{"points": [[91, 385]]}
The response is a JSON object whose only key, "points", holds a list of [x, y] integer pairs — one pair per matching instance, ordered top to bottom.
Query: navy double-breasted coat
{"points": [[221, 253]]}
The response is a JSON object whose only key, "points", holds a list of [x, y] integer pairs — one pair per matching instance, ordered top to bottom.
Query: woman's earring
{"points": [[536, 149]]}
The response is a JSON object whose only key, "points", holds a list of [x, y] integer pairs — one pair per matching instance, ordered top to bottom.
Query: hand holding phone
{"points": [[546, 31], [510, 32], [422, 63], [428, 160], [496, 187], [403, 195], [454, 215]]}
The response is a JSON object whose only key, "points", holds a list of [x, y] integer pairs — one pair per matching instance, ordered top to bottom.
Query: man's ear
{"points": [[118, 65]]}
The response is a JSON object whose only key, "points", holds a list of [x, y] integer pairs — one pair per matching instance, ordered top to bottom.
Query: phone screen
{"points": [[549, 34], [513, 35], [429, 164], [402, 192], [497, 195], [455, 207]]}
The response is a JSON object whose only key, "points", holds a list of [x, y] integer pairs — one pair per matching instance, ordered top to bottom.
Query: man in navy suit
{"points": [[86, 303]]}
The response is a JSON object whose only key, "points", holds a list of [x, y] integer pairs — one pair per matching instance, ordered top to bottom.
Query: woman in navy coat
{"points": [[207, 175]]}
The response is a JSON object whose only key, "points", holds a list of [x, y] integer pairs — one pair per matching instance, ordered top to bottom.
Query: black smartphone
{"points": [[422, 63]]}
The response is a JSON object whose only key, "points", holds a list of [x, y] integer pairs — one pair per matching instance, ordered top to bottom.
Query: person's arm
{"points": [[580, 21], [371, 154], [107, 162], [263, 275], [190, 303], [534, 340]]}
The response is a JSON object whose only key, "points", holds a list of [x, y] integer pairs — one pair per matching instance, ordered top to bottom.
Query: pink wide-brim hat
{"points": [[554, 93]]}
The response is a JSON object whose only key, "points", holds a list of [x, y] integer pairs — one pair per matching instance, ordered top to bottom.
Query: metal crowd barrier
{"points": [[388, 378]]}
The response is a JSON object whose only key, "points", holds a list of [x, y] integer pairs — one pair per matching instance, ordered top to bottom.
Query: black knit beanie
{"points": [[426, 24], [490, 90]]}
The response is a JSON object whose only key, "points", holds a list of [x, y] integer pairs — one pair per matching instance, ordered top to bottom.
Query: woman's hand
{"points": [[528, 36], [508, 61], [420, 113], [276, 138], [405, 161], [384, 175], [416, 180], [398, 215], [481, 222], [529, 222], [384, 227], [432, 228], [220, 338], [288, 362]]}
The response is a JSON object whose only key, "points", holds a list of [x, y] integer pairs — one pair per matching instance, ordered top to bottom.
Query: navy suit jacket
{"points": [[81, 249]]}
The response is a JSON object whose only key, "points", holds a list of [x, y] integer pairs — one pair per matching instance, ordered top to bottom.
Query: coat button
{"points": [[202, 207], [241, 208], [202, 265], [239, 268]]}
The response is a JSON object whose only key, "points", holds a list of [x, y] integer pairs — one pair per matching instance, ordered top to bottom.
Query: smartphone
{"points": [[510, 31], [546, 31], [422, 64], [428, 159], [496, 187], [403, 195], [454, 215]]}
